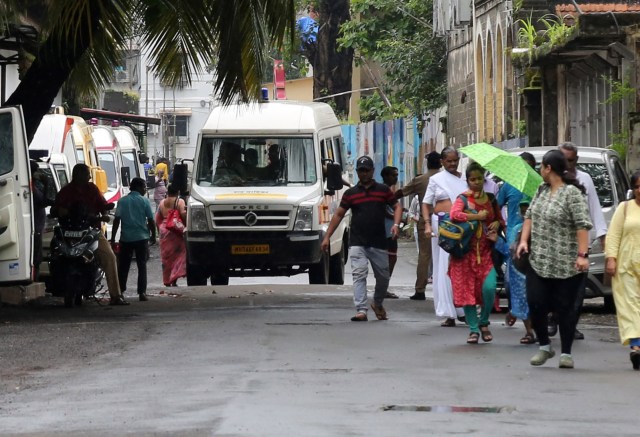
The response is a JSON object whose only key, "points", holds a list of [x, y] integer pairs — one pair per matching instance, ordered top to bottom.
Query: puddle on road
{"points": [[448, 409]]}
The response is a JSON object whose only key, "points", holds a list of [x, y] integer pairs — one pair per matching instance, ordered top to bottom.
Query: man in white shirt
{"points": [[570, 151]]}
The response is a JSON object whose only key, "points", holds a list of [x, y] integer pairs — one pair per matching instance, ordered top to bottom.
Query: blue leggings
{"points": [[488, 297]]}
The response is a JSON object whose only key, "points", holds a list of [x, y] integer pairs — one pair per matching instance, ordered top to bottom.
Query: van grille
{"points": [[275, 217]]}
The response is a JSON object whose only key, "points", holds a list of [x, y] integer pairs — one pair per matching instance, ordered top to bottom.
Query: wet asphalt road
{"points": [[283, 360]]}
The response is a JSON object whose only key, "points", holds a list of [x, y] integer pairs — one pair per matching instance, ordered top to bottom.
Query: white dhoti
{"points": [[442, 290]]}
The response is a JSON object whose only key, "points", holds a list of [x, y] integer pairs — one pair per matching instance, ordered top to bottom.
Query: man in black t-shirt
{"points": [[368, 240]]}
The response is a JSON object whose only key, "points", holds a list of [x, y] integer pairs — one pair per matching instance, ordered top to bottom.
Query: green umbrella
{"points": [[509, 167]]}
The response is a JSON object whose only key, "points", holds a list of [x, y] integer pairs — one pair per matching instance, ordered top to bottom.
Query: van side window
{"points": [[6, 143], [337, 151], [600, 175], [622, 184]]}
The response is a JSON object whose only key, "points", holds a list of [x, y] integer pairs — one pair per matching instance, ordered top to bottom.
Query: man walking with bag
{"points": [[367, 201], [134, 211]]}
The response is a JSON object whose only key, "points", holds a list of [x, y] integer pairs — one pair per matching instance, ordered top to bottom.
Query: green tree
{"points": [[398, 35], [184, 37]]}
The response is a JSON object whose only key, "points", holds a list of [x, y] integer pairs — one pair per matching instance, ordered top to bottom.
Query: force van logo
{"points": [[250, 207], [251, 218]]}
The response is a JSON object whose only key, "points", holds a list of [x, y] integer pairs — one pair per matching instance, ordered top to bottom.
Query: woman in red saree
{"points": [[173, 251]]}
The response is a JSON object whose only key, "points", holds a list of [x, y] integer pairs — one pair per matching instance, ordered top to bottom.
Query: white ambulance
{"points": [[16, 222]]}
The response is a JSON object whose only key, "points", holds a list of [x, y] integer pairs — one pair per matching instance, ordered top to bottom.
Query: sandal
{"points": [[381, 314], [359, 317], [510, 319], [448, 323], [486, 334], [473, 338], [528, 339]]}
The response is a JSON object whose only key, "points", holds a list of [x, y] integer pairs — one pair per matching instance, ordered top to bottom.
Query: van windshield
{"points": [[129, 161], [246, 162], [108, 163]]}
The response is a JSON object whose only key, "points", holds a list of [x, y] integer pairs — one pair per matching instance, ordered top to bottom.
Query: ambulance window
{"points": [[6, 143], [62, 175]]}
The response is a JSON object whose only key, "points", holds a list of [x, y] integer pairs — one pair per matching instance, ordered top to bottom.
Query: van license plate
{"points": [[73, 234], [249, 249]]}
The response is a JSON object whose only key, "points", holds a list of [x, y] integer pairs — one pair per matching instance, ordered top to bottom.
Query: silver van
{"points": [[612, 184]]}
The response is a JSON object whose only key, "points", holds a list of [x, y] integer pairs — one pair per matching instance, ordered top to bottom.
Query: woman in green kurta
{"points": [[623, 264]]}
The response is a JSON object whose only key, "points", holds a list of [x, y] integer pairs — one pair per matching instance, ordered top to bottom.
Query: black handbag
{"points": [[522, 263]]}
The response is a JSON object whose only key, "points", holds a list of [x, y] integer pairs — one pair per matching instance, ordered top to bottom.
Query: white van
{"points": [[129, 149], [110, 159], [259, 204], [16, 222]]}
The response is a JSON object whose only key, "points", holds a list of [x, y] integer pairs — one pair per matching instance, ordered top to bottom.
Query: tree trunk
{"points": [[51, 68], [332, 69]]}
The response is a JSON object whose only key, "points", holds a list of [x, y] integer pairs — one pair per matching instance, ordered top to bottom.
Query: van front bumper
{"points": [[233, 250]]}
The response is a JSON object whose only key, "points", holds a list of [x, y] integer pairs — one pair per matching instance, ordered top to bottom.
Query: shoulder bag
{"points": [[174, 222]]}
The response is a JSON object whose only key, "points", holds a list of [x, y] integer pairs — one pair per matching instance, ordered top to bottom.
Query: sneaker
{"points": [[418, 296], [541, 357], [566, 361]]}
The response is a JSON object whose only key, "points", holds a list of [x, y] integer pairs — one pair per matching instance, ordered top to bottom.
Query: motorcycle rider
{"points": [[82, 191]]}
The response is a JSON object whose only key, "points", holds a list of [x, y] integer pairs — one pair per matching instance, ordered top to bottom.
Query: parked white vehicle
{"points": [[53, 148], [130, 150], [110, 158], [612, 185], [259, 203], [16, 206]]}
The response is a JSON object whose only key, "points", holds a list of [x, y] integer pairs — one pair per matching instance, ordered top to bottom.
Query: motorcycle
{"points": [[75, 271]]}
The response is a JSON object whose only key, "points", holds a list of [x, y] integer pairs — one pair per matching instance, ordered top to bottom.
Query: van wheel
{"points": [[336, 268], [319, 272], [196, 275], [609, 304]]}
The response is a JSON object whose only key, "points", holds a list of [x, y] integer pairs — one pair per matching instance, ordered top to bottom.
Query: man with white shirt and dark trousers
{"points": [[570, 151]]}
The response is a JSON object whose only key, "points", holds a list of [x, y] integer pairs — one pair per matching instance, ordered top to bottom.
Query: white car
{"points": [[612, 185]]}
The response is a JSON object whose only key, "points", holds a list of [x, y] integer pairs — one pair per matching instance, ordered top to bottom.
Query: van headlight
{"points": [[197, 217], [304, 220]]}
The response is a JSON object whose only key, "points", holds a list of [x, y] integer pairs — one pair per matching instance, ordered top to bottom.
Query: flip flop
{"points": [[381, 314], [359, 317], [509, 319], [448, 323], [486, 334], [528, 339]]}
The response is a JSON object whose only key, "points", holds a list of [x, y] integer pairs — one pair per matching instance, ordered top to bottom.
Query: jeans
{"points": [[141, 249], [360, 258]]}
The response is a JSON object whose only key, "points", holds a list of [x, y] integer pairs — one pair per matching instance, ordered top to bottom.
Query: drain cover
{"points": [[448, 409]]}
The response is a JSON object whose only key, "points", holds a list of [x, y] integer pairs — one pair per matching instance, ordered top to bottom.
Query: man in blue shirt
{"points": [[134, 211]]}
